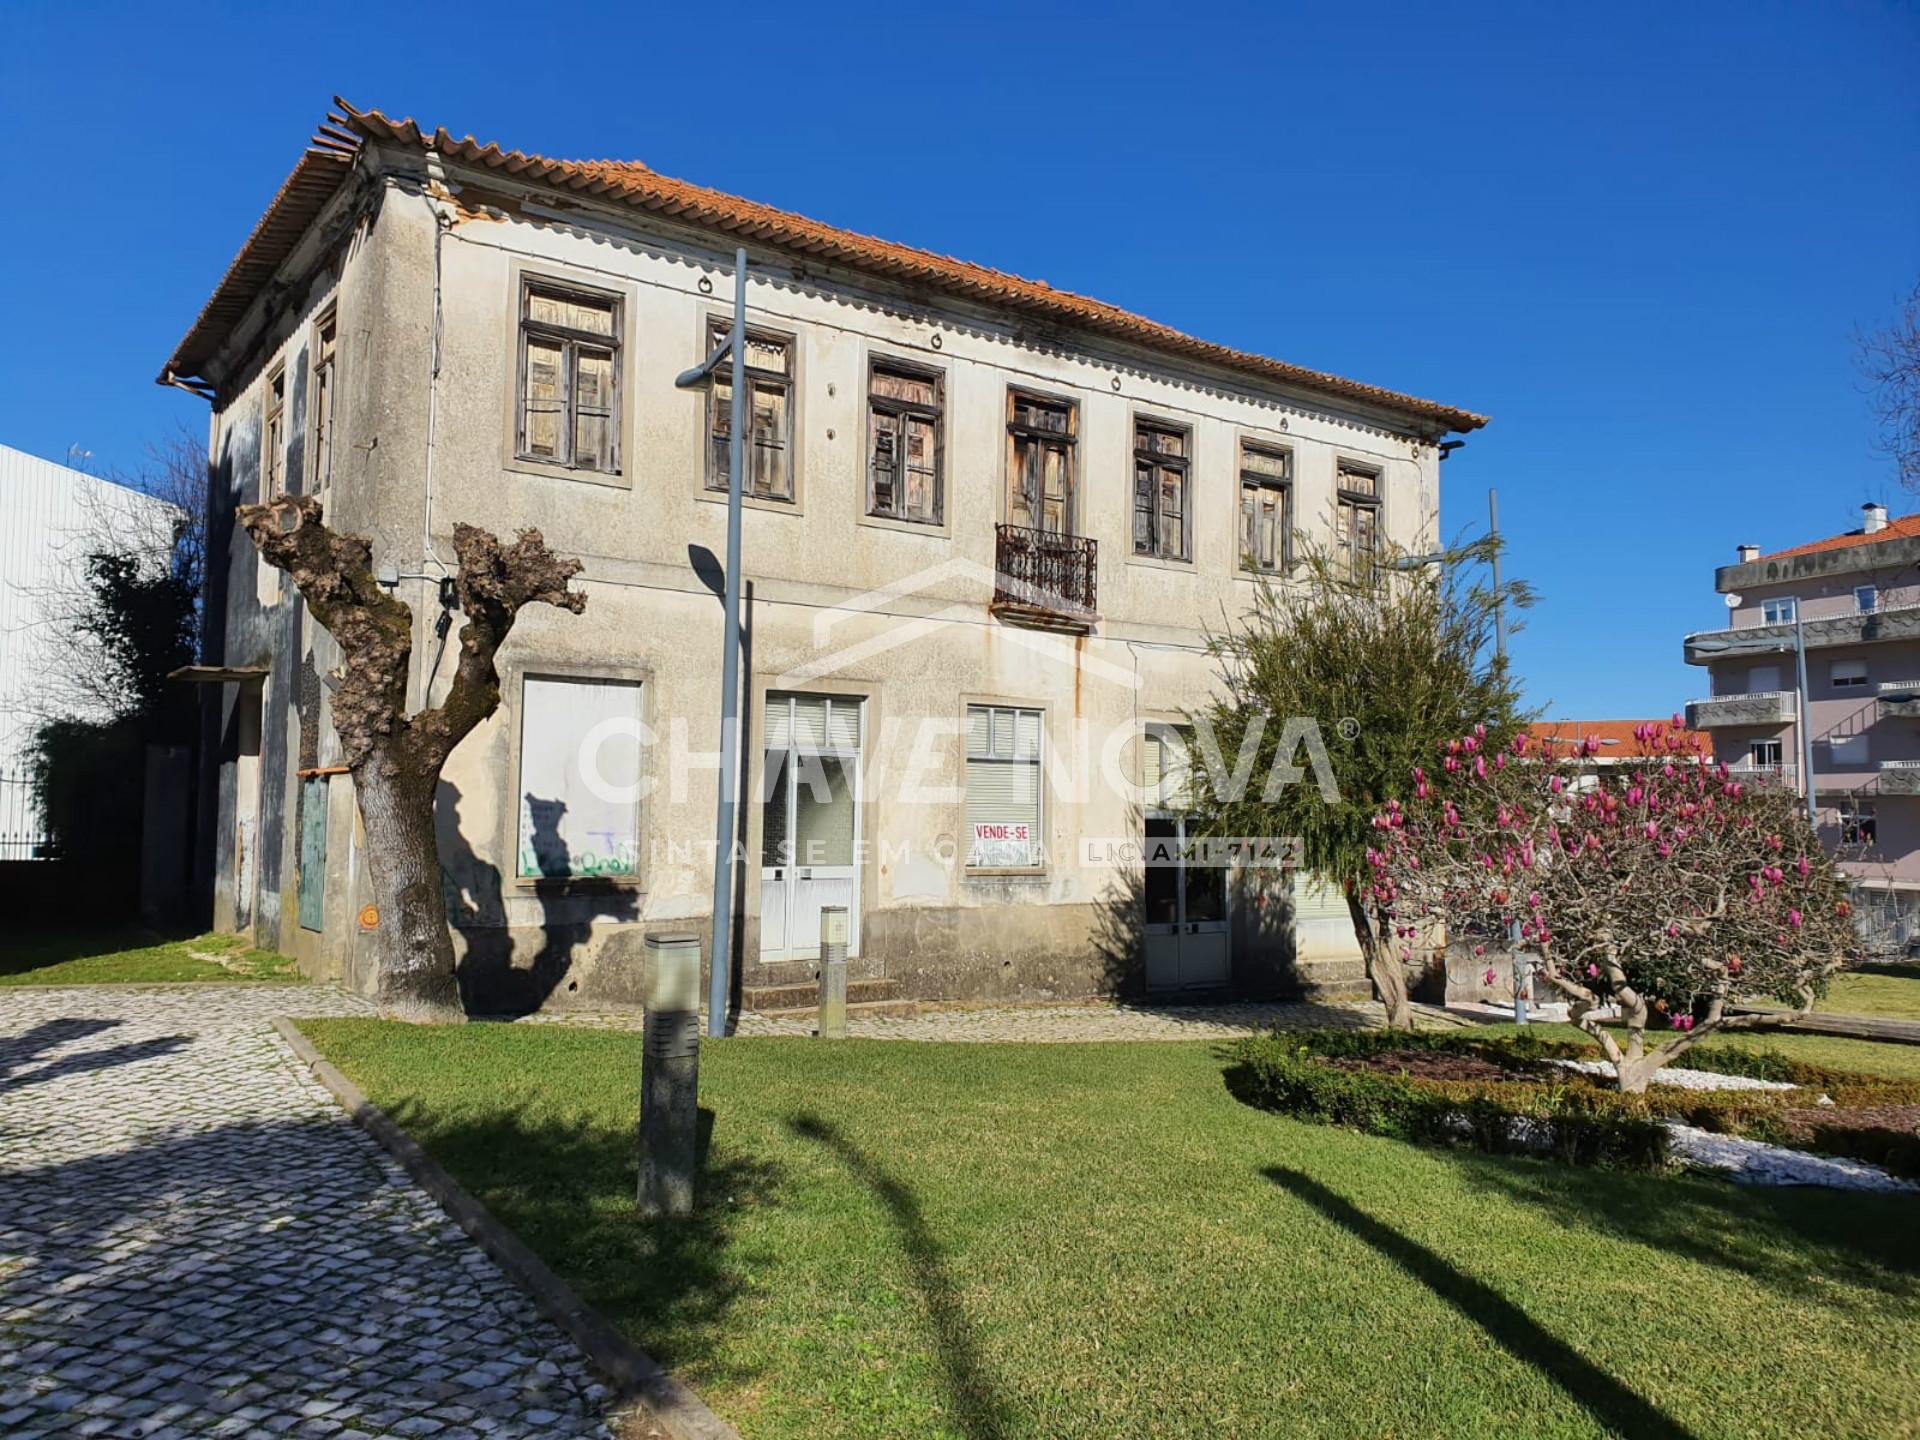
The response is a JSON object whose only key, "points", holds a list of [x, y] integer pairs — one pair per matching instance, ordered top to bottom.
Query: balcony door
{"points": [[1043, 437], [809, 822]]}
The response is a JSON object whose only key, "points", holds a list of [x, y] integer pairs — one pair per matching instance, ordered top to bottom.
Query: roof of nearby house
{"points": [[329, 161], [1903, 528], [1616, 737]]}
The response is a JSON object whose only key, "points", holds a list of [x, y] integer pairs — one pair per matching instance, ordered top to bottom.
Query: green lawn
{"points": [[90, 957], [1892, 991], [1006, 1241]]}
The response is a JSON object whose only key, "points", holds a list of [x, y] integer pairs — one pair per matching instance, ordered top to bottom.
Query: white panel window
{"points": [[1778, 612], [1848, 674], [1763, 679], [1849, 752], [580, 766], [1164, 772], [1003, 787]]}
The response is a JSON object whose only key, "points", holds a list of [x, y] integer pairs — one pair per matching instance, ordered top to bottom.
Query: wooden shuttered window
{"points": [[904, 424], [1161, 455], [1266, 507]]}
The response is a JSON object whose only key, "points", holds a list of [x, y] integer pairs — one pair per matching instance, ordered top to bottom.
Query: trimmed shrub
{"points": [[1572, 1120]]}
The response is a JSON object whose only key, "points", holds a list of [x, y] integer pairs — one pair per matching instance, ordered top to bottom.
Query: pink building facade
{"points": [[1852, 601]]}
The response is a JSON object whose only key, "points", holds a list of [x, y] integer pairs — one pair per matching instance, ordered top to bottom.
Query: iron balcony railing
{"points": [[1045, 571]]}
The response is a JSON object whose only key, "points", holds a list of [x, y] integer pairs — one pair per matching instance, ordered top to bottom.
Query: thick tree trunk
{"points": [[396, 757], [1384, 970], [416, 980]]}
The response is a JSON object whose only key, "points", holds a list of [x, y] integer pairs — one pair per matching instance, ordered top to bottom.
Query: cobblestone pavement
{"points": [[1047, 1024], [195, 1241]]}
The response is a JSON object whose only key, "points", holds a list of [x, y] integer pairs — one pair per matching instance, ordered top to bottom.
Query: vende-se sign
{"points": [[1019, 833]]}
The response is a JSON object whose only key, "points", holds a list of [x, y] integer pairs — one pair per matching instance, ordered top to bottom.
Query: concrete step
{"points": [[1332, 979], [805, 995]]}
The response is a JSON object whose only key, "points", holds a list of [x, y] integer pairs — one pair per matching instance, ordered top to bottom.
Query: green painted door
{"points": [[313, 851]]}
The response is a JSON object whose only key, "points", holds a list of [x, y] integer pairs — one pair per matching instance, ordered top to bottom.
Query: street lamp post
{"points": [[734, 347]]}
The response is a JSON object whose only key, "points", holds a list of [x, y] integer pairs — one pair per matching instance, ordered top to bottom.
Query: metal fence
{"points": [[23, 835]]}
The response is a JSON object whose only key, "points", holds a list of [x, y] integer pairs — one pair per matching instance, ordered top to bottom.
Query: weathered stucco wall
{"points": [[424, 442]]}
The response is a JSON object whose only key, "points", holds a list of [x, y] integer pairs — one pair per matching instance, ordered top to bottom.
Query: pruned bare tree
{"points": [[1890, 360], [396, 758]]}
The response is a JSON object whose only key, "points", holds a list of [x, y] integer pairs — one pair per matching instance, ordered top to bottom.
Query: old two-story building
{"points": [[987, 526], [1850, 604]]}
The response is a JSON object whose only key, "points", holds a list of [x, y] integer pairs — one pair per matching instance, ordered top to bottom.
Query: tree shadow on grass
{"points": [[568, 1189], [1794, 1239], [1611, 1403], [977, 1406]]}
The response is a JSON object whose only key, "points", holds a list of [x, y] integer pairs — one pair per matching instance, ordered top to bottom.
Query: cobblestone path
{"points": [[195, 1241]]}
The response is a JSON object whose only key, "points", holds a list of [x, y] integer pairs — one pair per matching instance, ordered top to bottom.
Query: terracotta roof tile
{"points": [[630, 182], [1903, 528], [1625, 745]]}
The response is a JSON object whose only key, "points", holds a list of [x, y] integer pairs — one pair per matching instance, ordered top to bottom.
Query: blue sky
{"points": [[1640, 237]]}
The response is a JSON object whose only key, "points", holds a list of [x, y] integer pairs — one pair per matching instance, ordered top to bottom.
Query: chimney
{"points": [[1875, 518], [1749, 554]]}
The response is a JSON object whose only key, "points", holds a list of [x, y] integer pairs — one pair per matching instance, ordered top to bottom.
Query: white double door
{"points": [[809, 822], [1185, 912]]}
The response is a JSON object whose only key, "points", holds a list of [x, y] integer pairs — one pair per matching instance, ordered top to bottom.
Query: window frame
{"points": [[527, 283], [714, 325], [918, 369], [323, 401], [1142, 422], [1017, 432], [273, 434], [1288, 488], [1345, 499], [1872, 601], [1767, 608], [1851, 682], [1772, 747], [1863, 760], [1041, 810], [1857, 815], [507, 823]]}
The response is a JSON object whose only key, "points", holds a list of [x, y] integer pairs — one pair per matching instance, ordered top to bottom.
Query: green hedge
{"points": [[1566, 1114], [1572, 1120]]}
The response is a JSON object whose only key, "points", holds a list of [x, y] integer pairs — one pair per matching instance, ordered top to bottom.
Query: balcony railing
{"points": [[1046, 577], [1889, 622], [1899, 698], [1769, 707], [1898, 777]]}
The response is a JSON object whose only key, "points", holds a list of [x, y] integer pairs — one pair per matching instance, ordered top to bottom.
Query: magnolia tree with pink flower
{"points": [[1657, 887]]}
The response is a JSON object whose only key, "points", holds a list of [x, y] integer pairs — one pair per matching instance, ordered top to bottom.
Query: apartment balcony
{"points": [[1045, 579], [1894, 622], [1900, 699], [1769, 707], [1783, 777], [1898, 777]]}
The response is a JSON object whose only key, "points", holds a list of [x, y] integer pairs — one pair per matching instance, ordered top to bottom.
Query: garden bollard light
{"points": [[833, 972], [670, 1075]]}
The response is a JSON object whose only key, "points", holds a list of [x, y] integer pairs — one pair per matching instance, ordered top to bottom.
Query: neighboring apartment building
{"points": [[49, 516], [987, 526], [1855, 599]]}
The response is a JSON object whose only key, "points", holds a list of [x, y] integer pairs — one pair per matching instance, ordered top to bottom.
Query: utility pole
{"points": [[734, 347], [1499, 598]]}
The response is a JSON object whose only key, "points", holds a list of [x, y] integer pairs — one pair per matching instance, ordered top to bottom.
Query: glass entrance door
{"points": [[809, 822], [1185, 912]]}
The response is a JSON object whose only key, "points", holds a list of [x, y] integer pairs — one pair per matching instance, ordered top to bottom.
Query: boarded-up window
{"points": [[569, 377], [323, 399], [904, 430], [1042, 434], [273, 437], [769, 437], [1160, 459], [1266, 507], [1357, 515], [580, 767], [1003, 787]]}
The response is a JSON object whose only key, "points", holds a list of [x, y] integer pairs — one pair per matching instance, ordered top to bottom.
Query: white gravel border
{"points": [[1685, 1079], [1749, 1162]]}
